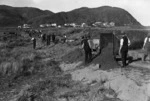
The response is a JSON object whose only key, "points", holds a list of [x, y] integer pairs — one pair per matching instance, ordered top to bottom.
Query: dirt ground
{"points": [[108, 80]]}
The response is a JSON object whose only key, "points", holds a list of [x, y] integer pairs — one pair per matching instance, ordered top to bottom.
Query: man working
{"points": [[43, 37], [53, 38], [65, 38], [48, 39], [34, 42], [146, 47], [87, 49], [123, 50]]}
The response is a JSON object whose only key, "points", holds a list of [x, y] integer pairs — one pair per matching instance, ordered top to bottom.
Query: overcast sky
{"points": [[137, 8]]}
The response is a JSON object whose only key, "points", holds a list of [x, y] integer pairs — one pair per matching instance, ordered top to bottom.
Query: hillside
{"points": [[14, 16], [89, 16]]}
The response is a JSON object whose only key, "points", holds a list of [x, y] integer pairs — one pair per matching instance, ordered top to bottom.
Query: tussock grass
{"points": [[19, 65], [44, 90]]}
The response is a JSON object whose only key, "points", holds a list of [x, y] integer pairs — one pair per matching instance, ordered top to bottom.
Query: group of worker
{"points": [[45, 38], [86, 45], [123, 49]]}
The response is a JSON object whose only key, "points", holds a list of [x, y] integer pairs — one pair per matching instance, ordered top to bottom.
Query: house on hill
{"points": [[84, 25]]}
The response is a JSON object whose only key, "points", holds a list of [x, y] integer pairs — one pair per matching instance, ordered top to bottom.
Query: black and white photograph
{"points": [[74, 50]]}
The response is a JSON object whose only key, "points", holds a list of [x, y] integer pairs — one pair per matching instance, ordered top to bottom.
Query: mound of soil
{"points": [[74, 56], [106, 58]]}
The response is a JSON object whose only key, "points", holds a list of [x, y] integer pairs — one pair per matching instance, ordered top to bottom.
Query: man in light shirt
{"points": [[34, 42], [146, 47], [123, 50]]}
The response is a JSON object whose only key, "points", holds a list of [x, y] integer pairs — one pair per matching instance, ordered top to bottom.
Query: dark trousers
{"points": [[48, 40], [34, 44], [88, 55], [124, 57]]}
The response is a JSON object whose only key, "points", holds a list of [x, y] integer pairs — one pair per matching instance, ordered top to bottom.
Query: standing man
{"points": [[53, 38], [65, 38], [42, 39], [48, 39], [82, 39], [34, 42], [124, 43], [146, 47], [87, 49]]}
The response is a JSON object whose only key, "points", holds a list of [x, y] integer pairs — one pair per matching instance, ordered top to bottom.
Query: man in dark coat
{"points": [[53, 38], [48, 39], [124, 43], [87, 49]]}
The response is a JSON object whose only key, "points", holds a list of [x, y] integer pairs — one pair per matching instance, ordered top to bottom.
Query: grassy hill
{"points": [[14, 16]]}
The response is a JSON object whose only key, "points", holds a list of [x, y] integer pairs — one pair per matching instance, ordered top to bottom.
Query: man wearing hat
{"points": [[124, 44], [146, 47]]}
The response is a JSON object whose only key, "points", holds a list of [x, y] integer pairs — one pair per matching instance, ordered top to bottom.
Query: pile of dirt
{"points": [[74, 56], [106, 58], [126, 84]]}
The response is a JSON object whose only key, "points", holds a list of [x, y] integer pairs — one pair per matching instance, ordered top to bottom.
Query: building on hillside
{"points": [[97, 24], [105, 24], [112, 24], [42, 25], [47, 25], [53, 25], [67, 25], [70, 25], [73, 25], [78, 25], [84, 25], [19, 26], [26, 26], [59, 26]]}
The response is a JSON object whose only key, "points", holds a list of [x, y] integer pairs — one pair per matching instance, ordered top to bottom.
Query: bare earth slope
{"points": [[110, 82]]}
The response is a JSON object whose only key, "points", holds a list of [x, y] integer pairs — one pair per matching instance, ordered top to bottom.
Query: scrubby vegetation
{"points": [[21, 65]]}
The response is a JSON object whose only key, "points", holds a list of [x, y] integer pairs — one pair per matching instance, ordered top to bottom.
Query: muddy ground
{"points": [[59, 74]]}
